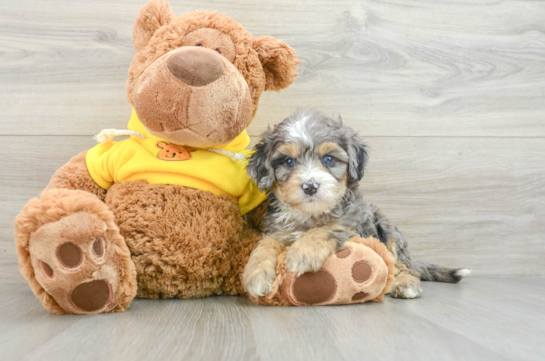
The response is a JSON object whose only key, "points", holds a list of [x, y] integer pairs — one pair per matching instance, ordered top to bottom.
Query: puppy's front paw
{"points": [[302, 257], [258, 281], [406, 290]]}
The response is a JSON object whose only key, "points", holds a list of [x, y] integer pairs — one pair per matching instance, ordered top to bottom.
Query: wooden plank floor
{"points": [[478, 319]]}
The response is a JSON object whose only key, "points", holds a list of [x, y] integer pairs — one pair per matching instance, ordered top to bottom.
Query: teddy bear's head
{"points": [[196, 79]]}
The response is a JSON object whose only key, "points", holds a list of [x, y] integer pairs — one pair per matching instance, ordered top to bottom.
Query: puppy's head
{"points": [[308, 161]]}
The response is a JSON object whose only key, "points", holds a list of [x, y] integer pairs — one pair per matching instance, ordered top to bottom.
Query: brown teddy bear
{"points": [[170, 212]]}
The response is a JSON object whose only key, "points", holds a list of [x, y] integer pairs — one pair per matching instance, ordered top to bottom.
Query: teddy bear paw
{"points": [[75, 263], [351, 275]]}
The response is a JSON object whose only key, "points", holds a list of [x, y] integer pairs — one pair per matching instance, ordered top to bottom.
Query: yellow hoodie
{"points": [[154, 160]]}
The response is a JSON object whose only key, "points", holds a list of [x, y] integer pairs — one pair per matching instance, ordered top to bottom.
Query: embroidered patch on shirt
{"points": [[174, 152]]}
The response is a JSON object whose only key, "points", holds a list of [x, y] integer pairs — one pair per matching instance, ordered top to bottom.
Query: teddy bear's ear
{"points": [[152, 16], [279, 62]]}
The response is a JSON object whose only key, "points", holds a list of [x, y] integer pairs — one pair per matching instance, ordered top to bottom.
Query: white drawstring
{"points": [[108, 135], [235, 157]]}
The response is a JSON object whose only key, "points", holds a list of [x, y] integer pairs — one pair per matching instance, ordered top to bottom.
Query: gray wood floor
{"points": [[478, 319]]}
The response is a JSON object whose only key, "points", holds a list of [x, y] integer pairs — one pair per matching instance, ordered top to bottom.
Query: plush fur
{"points": [[200, 116], [74, 175], [180, 238]]}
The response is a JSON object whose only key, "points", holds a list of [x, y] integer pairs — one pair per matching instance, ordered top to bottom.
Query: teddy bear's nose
{"points": [[195, 66]]}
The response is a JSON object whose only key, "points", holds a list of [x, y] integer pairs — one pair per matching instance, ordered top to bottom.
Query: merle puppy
{"points": [[310, 166]]}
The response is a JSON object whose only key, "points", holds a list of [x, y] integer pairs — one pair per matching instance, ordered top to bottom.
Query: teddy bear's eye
{"points": [[199, 45], [218, 50], [168, 151]]}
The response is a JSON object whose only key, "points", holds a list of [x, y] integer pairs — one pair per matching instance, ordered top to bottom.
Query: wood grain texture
{"points": [[391, 68], [26, 166], [461, 202], [474, 320]]}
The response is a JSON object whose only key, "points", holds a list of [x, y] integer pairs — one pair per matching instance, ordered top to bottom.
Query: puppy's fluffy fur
{"points": [[310, 166]]}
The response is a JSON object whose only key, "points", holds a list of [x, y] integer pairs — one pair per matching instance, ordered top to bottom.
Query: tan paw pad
{"points": [[98, 247], [343, 253], [69, 255], [47, 269], [361, 271], [314, 287], [91, 296], [359, 296]]}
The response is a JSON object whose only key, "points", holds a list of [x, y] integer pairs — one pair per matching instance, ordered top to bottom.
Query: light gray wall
{"points": [[449, 95]]}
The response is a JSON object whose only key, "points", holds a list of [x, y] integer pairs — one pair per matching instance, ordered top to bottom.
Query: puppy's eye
{"points": [[199, 45], [218, 50], [328, 160], [290, 163]]}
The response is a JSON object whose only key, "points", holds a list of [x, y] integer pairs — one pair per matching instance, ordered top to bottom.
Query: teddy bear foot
{"points": [[75, 264], [78, 264], [362, 271]]}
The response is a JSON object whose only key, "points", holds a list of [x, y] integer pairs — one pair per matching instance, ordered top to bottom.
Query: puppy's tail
{"points": [[432, 272]]}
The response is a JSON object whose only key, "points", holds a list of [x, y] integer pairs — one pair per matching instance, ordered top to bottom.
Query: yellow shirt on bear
{"points": [[157, 162]]}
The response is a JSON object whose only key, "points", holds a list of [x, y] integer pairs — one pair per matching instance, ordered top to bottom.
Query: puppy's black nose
{"points": [[310, 188]]}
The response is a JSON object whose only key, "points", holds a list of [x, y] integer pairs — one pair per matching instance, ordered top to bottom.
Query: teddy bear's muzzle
{"points": [[195, 67], [193, 96]]}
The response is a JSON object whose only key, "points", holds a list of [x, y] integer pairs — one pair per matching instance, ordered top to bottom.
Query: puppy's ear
{"points": [[155, 14], [279, 62], [357, 152], [259, 166]]}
